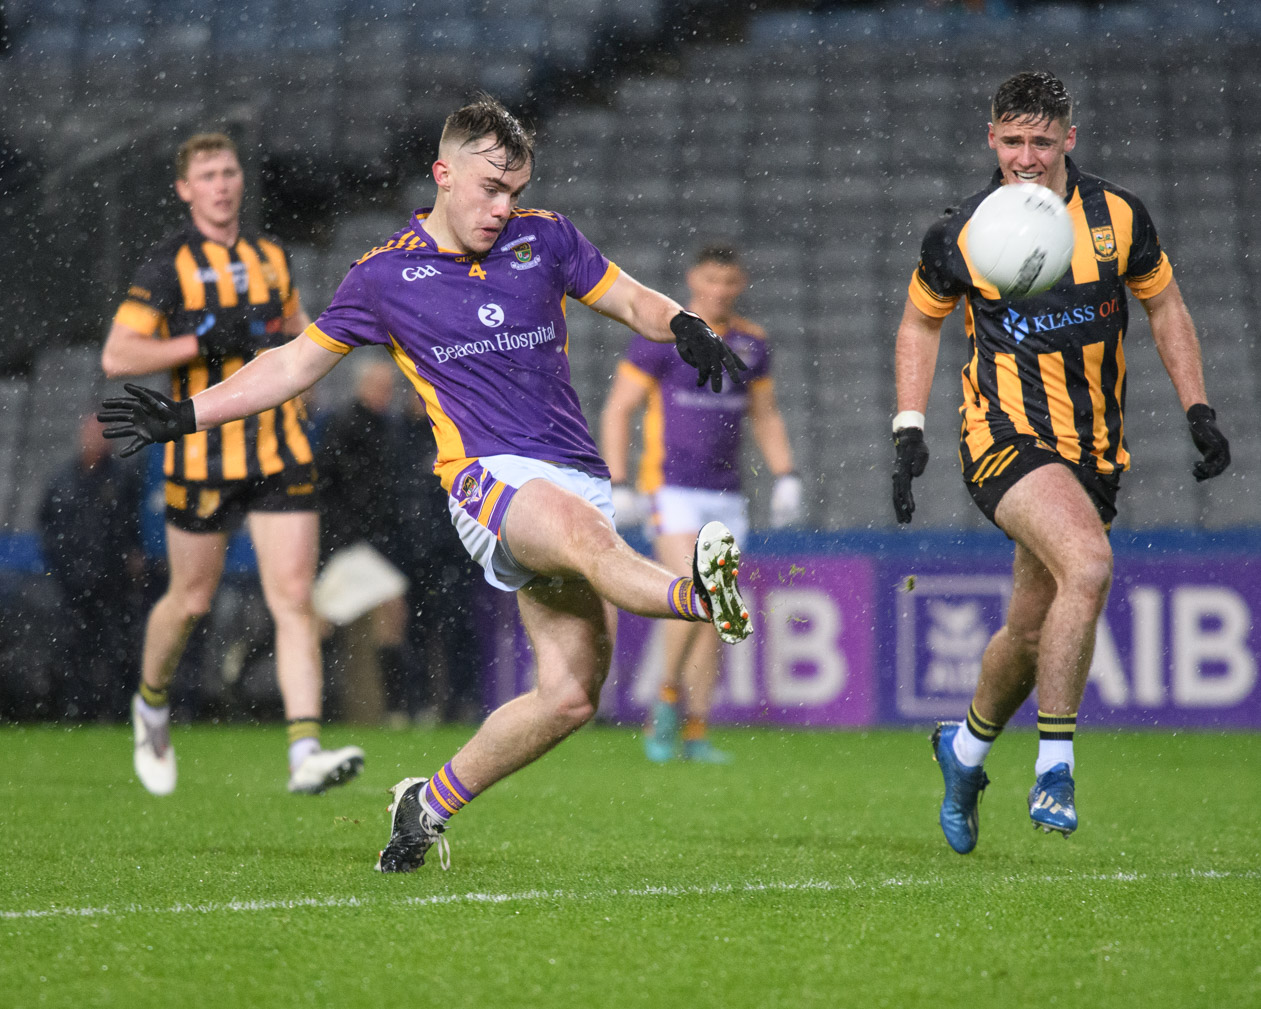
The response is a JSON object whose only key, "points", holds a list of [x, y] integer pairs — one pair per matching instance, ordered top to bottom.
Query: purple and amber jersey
{"points": [[483, 341], [691, 434]]}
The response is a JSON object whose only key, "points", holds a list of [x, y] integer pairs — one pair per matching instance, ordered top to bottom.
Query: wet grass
{"points": [[809, 872]]}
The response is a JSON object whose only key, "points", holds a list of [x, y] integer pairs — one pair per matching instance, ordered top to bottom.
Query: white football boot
{"points": [[714, 568], [154, 757], [323, 769]]}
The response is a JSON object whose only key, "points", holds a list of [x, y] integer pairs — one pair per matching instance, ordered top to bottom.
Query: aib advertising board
{"points": [[876, 637]]}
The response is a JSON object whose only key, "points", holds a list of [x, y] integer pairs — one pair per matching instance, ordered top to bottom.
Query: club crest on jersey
{"points": [[1105, 243], [525, 257], [240, 277]]}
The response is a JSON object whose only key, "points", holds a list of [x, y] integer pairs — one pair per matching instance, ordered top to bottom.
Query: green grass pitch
{"points": [[811, 872]]}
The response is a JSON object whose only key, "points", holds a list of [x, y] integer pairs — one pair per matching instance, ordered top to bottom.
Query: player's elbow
{"points": [[113, 364]]}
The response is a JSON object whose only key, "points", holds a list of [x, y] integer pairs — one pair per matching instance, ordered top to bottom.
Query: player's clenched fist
{"points": [[910, 458]]}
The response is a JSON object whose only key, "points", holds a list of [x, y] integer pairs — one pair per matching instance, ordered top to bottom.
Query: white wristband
{"points": [[908, 418]]}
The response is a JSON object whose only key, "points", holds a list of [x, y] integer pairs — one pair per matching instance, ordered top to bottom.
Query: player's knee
{"points": [[595, 536], [1090, 577], [291, 599], [191, 603], [573, 706]]}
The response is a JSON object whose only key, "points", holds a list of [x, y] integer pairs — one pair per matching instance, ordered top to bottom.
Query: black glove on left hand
{"points": [[705, 351], [146, 416], [1209, 439], [911, 456]]}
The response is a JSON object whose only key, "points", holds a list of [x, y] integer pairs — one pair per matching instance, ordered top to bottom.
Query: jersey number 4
{"points": [[476, 271]]}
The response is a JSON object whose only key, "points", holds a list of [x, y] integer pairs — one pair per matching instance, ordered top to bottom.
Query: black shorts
{"points": [[997, 471], [199, 508]]}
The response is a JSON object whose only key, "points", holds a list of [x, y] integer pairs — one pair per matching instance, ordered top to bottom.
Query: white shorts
{"points": [[479, 500], [686, 509]]}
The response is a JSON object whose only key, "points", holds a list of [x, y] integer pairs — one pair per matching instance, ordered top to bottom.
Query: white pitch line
{"points": [[537, 896]]}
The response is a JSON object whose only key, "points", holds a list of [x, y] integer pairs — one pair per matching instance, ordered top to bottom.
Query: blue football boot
{"points": [[661, 737], [702, 751], [1051, 804], [960, 821]]}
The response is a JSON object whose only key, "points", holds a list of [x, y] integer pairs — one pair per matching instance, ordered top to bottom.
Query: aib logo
{"points": [[491, 315], [1015, 325]]}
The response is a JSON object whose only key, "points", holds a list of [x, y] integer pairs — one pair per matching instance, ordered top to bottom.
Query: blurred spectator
{"points": [[359, 477], [91, 531], [442, 599]]}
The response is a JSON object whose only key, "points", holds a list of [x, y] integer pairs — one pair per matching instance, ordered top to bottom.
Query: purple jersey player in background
{"points": [[469, 297], [690, 468]]}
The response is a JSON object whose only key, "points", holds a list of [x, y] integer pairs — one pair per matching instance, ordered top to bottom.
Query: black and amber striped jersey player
{"points": [[241, 295], [1052, 366]]}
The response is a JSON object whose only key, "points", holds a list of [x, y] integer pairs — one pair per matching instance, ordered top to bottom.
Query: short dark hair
{"points": [[1035, 95], [485, 116], [200, 143], [720, 253]]}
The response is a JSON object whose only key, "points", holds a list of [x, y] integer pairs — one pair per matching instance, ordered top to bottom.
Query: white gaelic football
{"points": [[1020, 239]]}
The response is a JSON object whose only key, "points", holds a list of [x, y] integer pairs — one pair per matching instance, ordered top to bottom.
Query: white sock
{"points": [[153, 716], [301, 749], [970, 751], [1052, 752]]}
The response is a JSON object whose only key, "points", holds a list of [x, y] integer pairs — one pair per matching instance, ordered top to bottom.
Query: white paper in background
{"points": [[355, 580]]}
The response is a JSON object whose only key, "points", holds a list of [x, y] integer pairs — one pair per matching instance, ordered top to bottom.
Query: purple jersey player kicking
{"points": [[469, 297]]}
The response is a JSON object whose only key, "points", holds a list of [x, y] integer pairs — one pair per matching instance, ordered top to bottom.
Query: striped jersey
{"points": [[191, 284], [481, 339], [1052, 365], [692, 435]]}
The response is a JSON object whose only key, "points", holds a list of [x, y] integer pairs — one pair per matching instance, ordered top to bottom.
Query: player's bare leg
{"points": [[1052, 517], [557, 533], [287, 545], [195, 563], [1060, 578], [571, 630], [1009, 665], [690, 676]]}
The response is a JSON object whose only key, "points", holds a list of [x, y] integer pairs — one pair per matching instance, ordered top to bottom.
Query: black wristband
{"points": [[1200, 411], [186, 416]]}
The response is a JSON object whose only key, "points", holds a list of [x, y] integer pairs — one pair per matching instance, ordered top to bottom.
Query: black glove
{"points": [[219, 338], [702, 348], [146, 416], [1209, 440], [910, 459]]}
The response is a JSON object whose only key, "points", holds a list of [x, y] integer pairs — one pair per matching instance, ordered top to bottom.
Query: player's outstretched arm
{"points": [[663, 320], [1179, 348], [915, 359], [625, 399], [147, 416], [771, 434]]}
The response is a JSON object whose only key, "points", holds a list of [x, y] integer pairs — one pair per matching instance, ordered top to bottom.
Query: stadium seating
{"points": [[822, 146]]}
